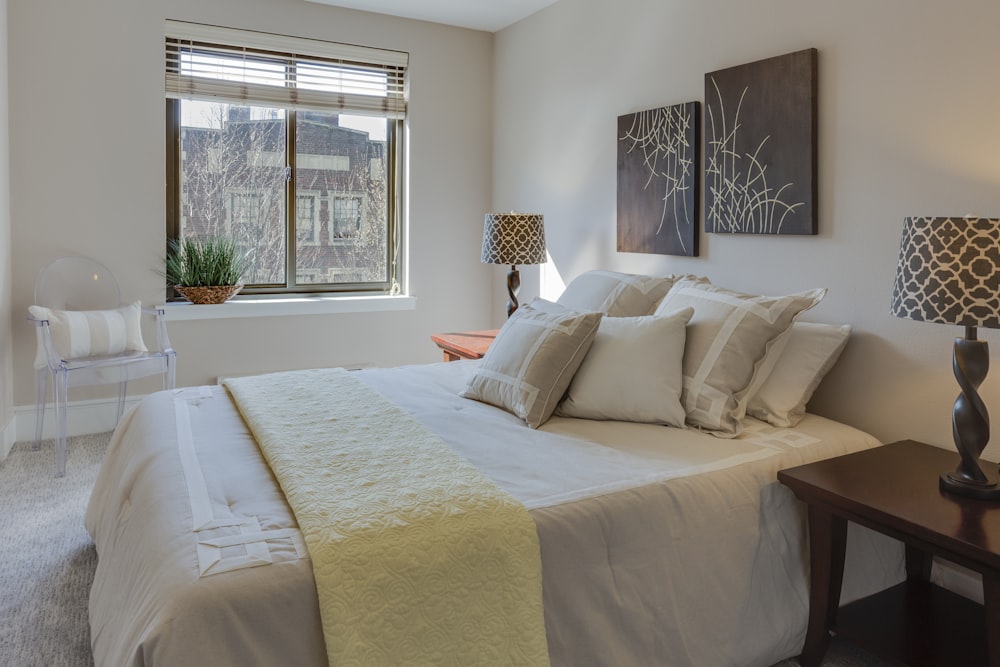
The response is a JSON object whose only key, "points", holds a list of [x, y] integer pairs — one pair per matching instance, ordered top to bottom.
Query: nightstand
{"points": [[465, 345], [893, 489]]}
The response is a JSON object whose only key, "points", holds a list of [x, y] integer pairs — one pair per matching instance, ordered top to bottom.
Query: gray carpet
{"points": [[47, 560]]}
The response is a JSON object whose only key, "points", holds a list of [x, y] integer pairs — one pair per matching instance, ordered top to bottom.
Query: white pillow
{"points": [[615, 294], [86, 333], [727, 338], [810, 353], [533, 359], [632, 371]]}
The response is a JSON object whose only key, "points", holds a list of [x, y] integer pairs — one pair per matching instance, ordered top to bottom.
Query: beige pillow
{"points": [[615, 294], [86, 333], [727, 338], [810, 353], [530, 364], [632, 371]]}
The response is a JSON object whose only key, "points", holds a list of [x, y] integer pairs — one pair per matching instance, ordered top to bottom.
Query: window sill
{"points": [[282, 307]]}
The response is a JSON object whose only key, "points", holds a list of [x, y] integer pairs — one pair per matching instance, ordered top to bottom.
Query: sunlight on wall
{"points": [[551, 284]]}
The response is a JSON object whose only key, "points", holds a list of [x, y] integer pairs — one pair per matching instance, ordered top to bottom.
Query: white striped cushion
{"points": [[86, 333], [726, 341]]}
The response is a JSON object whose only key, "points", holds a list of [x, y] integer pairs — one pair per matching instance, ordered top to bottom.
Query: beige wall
{"points": [[908, 126], [90, 174], [6, 323]]}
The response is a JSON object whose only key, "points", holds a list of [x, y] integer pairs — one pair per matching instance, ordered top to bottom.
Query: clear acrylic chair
{"points": [[66, 287]]}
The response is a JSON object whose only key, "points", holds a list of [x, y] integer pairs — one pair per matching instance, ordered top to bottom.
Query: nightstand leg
{"points": [[827, 543], [918, 563], [991, 597]]}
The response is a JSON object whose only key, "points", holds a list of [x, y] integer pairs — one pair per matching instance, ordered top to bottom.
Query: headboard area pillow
{"points": [[615, 294], [727, 338], [810, 352], [533, 359], [632, 372]]}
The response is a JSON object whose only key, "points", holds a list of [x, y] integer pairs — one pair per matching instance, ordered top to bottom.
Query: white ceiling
{"points": [[488, 15]]}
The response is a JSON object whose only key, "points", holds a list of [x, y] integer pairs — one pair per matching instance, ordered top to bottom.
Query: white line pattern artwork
{"points": [[760, 139], [658, 163], [741, 198]]}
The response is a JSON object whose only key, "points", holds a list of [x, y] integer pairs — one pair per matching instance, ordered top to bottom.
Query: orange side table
{"points": [[464, 344]]}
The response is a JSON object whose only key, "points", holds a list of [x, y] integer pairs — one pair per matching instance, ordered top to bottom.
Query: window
{"points": [[291, 147], [346, 218], [306, 220]]}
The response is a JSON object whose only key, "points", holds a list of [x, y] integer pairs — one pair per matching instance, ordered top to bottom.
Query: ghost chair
{"points": [[87, 336]]}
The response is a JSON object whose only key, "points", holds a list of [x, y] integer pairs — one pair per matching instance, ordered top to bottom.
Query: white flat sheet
{"points": [[569, 459], [659, 546]]}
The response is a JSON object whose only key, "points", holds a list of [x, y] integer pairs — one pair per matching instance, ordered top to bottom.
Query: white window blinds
{"points": [[211, 63]]}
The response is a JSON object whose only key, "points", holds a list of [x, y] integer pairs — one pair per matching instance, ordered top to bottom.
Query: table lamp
{"points": [[513, 238], [949, 272]]}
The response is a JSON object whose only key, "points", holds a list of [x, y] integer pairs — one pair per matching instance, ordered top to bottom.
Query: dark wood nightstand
{"points": [[465, 344], [893, 489]]}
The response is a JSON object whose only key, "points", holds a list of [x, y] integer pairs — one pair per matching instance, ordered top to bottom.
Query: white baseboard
{"points": [[82, 417], [7, 438]]}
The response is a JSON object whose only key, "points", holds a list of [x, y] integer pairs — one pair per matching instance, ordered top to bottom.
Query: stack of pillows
{"points": [[672, 350]]}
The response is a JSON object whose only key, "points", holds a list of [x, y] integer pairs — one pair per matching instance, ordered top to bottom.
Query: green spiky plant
{"points": [[205, 262]]}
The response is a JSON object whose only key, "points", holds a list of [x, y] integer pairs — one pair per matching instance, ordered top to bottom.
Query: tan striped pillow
{"points": [[86, 333], [727, 339], [535, 355]]}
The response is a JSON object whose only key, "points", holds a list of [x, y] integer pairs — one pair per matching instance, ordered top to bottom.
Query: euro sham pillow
{"points": [[615, 294], [86, 333], [727, 338], [811, 351], [533, 359], [632, 371]]}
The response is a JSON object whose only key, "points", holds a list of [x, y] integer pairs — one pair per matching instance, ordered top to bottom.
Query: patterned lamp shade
{"points": [[513, 238], [949, 272]]}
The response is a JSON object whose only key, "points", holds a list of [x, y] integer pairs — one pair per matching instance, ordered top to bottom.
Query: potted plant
{"points": [[206, 270]]}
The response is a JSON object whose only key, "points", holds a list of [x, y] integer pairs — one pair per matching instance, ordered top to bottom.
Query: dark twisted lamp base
{"points": [[513, 284], [970, 422]]}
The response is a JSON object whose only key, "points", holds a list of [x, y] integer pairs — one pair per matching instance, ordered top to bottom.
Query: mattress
{"points": [[659, 546]]}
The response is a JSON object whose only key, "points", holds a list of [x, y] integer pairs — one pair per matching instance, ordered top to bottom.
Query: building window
{"points": [[290, 146], [347, 212], [306, 219]]}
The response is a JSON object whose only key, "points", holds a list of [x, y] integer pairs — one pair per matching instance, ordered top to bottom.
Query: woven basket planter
{"points": [[214, 294]]}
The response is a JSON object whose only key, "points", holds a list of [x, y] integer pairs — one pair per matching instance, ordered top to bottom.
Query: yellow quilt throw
{"points": [[418, 558]]}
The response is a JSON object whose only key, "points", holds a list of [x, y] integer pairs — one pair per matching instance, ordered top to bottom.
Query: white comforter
{"points": [[659, 546]]}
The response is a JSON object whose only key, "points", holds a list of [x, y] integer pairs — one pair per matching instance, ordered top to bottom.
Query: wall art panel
{"points": [[760, 147], [658, 180]]}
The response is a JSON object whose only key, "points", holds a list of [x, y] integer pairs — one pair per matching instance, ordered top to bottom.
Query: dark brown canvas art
{"points": [[760, 147], [658, 181]]}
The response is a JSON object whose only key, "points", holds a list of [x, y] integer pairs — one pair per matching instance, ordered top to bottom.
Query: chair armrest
{"points": [[162, 339], [45, 354]]}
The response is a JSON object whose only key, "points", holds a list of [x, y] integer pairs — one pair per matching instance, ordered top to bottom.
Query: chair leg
{"points": [[170, 381], [122, 390], [61, 395], [41, 397]]}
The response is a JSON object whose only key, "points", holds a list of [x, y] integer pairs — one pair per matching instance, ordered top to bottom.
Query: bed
{"points": [[658, 545]]}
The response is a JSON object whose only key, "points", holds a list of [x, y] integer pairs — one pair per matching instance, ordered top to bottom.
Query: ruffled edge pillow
{"points": [[615, 294], [77, 334], [727, 338], [811, 351], [533, 359], [632, 371]]}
